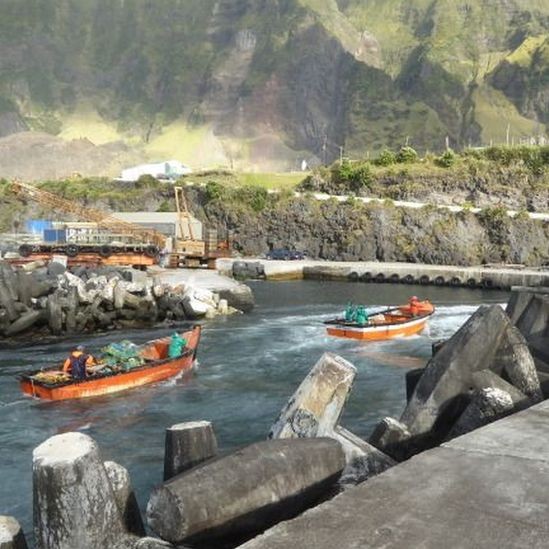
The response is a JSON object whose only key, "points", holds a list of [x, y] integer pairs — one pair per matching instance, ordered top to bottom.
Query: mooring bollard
{"points": [[187, 445], [246, 491], [74, 504], [11, 535]]}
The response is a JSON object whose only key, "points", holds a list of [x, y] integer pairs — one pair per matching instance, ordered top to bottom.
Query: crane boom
{"points": [[45, 198]]}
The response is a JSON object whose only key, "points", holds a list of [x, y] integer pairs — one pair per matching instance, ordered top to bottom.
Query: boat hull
{"points": [[378, 333], [91, 387]]}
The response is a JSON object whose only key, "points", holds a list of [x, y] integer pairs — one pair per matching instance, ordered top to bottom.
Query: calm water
{"points": [[248, 366]]}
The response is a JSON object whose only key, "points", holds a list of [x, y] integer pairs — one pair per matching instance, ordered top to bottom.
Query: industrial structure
{"points": [[136, 238]]}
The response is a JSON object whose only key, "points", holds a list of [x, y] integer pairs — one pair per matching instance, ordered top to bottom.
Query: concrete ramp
{"points": [[489, 488]]}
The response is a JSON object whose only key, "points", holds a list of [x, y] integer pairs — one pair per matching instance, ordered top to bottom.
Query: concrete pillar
{"points": [[315, 408], [187, 445], [246, 491], [125, 497], [74, 504], [11, 535]]}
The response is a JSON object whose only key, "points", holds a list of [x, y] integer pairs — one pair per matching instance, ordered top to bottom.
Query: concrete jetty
{"points": [[496, 277], [489, 488]]}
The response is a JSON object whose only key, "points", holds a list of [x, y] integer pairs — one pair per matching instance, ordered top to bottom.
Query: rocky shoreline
{"points": [[52, 301]]}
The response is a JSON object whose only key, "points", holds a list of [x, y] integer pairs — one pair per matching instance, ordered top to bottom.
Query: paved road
{"points": [[407, 204]]}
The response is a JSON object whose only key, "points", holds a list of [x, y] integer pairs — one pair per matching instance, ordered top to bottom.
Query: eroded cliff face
{"points": [[271, 82]]}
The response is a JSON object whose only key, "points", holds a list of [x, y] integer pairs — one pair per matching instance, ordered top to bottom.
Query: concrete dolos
{"points": [[487, 341], [316, 406], [314, 411], [187, 445], [246, 491], [74, 504], [11, 535]]}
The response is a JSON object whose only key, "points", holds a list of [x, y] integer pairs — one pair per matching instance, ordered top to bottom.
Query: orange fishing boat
{"points": [[401, 321], [157, 366]]}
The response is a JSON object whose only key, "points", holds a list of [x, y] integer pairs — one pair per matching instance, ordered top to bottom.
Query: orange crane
{"points": [[136, 237]]}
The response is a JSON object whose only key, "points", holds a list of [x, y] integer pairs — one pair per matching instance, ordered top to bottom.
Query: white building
{"points": [[169, 169]]}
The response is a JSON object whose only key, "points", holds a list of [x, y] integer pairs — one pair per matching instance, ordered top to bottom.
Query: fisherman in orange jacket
{"points": [[414, 305], [78, 362]]}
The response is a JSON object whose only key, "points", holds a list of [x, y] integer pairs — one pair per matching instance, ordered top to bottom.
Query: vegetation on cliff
{"points": [[234, 83], [512, 177]]}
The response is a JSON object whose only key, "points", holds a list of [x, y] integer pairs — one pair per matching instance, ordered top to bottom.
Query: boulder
{"points": [[7, 302], [534, 320], [486, 405], [316, 406], [187, 445], [246, 491], [125, 498], [74, 504], [11, 534], [153, 543]]}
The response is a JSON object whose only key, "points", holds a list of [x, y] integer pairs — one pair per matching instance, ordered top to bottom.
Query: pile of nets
{"points": [[124, 356]]}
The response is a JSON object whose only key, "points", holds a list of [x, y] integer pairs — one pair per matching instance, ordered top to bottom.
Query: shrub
{"points": [[406, 155], [386, 158], [446, 159], [355, 175], [213, 190], [254, 197]]}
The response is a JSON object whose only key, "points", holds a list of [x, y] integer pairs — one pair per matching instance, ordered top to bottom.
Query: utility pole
{"points": [[507, 134], [340, 155]]}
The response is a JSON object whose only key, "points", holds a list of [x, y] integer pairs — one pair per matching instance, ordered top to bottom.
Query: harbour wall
{"points": [[488, 277]]}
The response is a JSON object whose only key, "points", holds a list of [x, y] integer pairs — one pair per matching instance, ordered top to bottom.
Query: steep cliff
{"points": [[270, 82]]}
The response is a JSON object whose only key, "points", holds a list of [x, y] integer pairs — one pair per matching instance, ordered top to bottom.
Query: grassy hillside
{"points": [[267, 84]]}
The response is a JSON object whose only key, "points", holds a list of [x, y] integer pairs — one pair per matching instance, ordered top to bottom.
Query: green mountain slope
{"points": [[251, 82]]}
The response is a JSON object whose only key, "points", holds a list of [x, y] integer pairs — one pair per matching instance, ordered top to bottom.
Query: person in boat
{"points": [[413, 305], [362, 316], [78, 363]]}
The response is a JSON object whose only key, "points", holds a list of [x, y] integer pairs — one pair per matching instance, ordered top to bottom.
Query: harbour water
{"points": [[248, 367]]}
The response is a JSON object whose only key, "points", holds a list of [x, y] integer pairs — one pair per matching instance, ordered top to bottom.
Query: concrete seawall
{"points": [[497, 277], [489, 488]]}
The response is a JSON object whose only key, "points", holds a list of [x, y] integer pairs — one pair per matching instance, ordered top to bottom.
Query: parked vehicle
{"points": [[285, 254]]}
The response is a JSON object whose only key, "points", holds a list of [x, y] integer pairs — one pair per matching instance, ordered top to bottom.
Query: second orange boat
{"points": [[401, 321]]}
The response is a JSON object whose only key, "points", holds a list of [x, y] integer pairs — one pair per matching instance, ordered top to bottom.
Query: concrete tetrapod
{"points": [[442, 391], [316, 406], [314, 410], [187, 445], [245, 492], [74, 504], [11, 535]]}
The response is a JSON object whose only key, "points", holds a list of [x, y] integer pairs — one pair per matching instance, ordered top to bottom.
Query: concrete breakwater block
{"points": [[487, 352], [316, 406], [486, 406], [314, 410], [187, 445], [362, 460], [246, 491], [125, 498], [74, 503], [11, 534]]}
